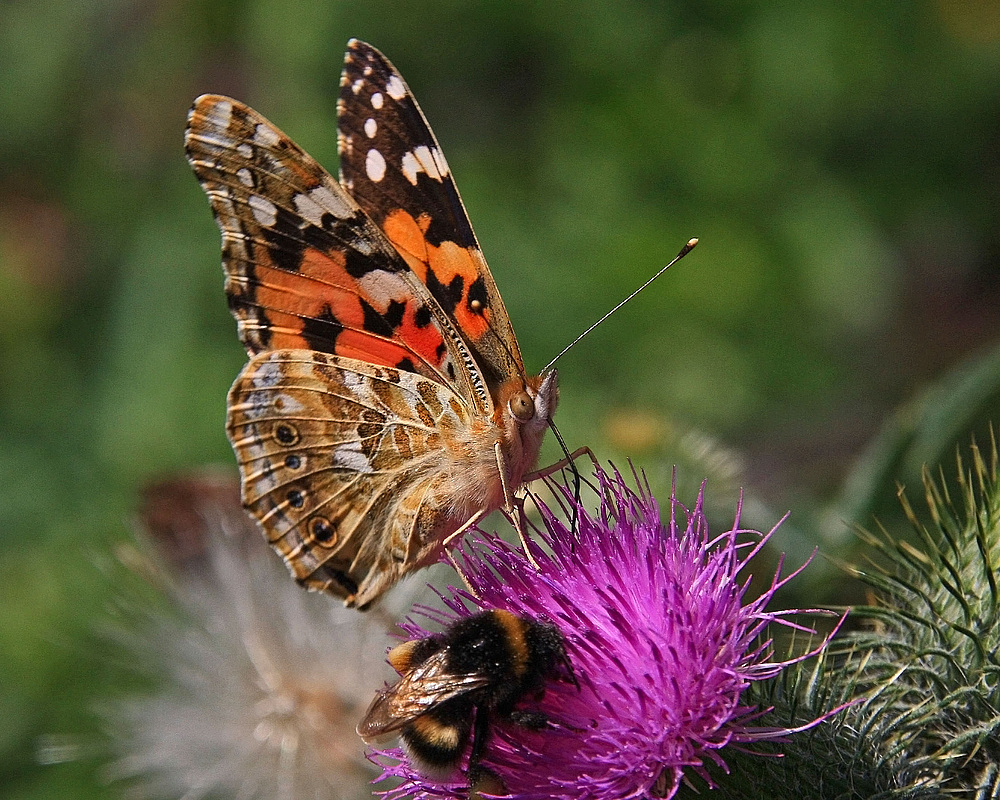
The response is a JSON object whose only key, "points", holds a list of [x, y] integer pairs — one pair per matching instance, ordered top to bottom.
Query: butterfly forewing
{"points": [[394, 168], [305, 267]]}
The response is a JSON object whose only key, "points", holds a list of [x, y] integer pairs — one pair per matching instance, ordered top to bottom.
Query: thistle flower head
{"points": [[659, 633]]}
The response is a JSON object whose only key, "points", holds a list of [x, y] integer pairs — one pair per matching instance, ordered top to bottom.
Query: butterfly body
{"points": [[385, 402]]}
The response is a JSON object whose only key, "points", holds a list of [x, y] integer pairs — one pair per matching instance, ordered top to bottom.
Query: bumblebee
{"points": [[454, 683]]}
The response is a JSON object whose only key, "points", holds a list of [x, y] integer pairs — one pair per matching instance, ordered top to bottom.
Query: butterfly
{"points": [[385, 406]]}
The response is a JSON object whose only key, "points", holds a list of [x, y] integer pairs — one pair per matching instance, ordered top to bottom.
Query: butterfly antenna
{"points": [[684, 251]]}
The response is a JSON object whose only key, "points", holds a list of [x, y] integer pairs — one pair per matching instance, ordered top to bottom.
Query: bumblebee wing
{"points": [[417, 692]]}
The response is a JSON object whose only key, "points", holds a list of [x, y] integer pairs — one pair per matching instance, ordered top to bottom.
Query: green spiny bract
{"points": [[927, 664], [921, 666]]}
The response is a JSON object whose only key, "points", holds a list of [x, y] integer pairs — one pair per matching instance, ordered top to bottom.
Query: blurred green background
{"points": [[835, 329]]}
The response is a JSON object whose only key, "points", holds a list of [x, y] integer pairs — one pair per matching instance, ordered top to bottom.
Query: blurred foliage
{"points": [[834, 330]]}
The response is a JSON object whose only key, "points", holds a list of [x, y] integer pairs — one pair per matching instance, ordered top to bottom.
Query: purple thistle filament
{"points": [[659, 638]]}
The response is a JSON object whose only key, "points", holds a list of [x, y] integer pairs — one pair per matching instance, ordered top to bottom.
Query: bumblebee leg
{"points": [[534, 720], [481, 779], [485, 782]]}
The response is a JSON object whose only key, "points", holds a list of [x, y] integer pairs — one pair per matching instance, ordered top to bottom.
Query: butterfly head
{"points": [[530, 403], [524, 410]]}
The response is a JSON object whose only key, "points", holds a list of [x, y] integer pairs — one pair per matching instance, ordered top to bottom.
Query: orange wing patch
{"points": [[454, 268], [322, 307]]}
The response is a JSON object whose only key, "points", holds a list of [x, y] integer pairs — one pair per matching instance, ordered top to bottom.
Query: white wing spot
{"points": [[356, 86], [395, 88], [377, 100], [220, 113], [371, 128], [266, 135], [244, 150], [426, 158], [423, 159], [442, 165], [375, 166], [411, 167], [245, 176], [332, 201], [310, 210], [264, 211], [364, 246], [384, 287], [267, 375], [358, 386], [259, 403], [288, 404], [351, 457], [268, 481]]}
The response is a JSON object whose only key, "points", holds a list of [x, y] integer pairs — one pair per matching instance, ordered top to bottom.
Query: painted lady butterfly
{"points": [[385, 406]]}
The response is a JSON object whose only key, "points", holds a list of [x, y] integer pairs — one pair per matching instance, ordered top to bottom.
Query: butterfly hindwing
{"points": [[393, 166], [341, 462]]}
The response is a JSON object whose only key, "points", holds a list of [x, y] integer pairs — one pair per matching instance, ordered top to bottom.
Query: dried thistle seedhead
{"points": [[258, 685]]}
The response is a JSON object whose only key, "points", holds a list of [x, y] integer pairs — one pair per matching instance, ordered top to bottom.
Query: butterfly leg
{"points": [[569, 461], [562, 463], [508, 497], [513, 505], [520, 515], [464, 527], [451, 556], [461, 573]]}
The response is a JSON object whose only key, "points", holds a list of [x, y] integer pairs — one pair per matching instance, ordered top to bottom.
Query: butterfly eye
{"points": [[522, 407]]}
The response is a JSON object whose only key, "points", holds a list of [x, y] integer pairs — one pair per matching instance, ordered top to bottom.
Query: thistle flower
{"points": [[659, 636], [257, 685]]}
